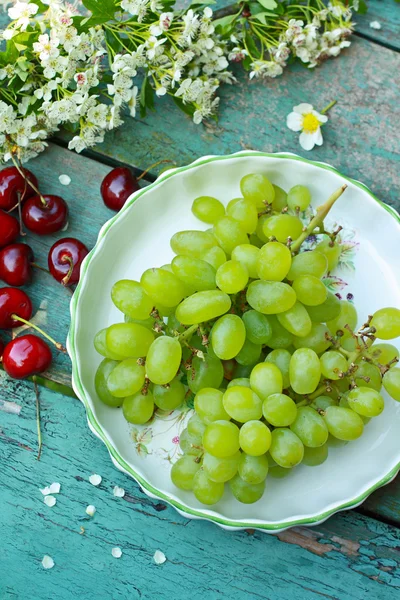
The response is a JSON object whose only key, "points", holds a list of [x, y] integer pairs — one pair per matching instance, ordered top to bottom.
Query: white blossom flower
{"points": [[135, 7], [22, 13], [163, 24], [192, 25], [375, 25], [295, 27], [153, 46], [46, 47], [263, 68], [133, 101], [98, 115], [307, 120], [77, 144]]}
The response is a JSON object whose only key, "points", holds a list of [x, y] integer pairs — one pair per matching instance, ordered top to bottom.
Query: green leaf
{"points": [[268, 4], [362, 7], [102, 9], [261, 16], [223, 21], [251, 45], [10, 55], [146, 98], [188, 109]]}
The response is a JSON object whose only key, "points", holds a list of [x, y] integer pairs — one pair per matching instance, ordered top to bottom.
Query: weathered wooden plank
{"points": [[387, 13], [361, 138], [348, 558]]}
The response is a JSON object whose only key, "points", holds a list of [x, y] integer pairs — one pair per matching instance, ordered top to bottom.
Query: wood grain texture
{"points": [[387, 13], [347, 558]]}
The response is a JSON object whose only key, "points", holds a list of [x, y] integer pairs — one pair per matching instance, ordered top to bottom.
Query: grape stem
{"points": [[318, 220], [188, 333]]}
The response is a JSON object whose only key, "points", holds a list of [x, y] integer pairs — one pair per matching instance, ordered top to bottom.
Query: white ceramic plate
{"points": [[138, 238]]}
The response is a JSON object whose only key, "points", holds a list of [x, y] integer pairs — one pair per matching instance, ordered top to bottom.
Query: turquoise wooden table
{"points": [[353, 555]]}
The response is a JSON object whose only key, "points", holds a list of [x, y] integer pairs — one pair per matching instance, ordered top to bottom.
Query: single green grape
{"points": [[258, 189], [299, 197], [280, 200], [232, 203], [208, 209], [245, 213], [283, 227], [260, 228], [229, 234], [255, 240], [192, 243], [332, 251], [247, 256], [215, 257], [274, 260], [308, 263], [194, 272], [232, 277], [163, 287], [310, 290], [270, 297], [130, 298], [203, 306], [167, 311], [327, 311], [347, 316], [296, 320], [148, 323], [387, 323], [258, 328], [228, 336], [281, 338], [129, 340], [316, 340], [100, 343], [382, 353], [249, 354], [281, 359], [163, 360], [333, 364], [242, 371], [304, 371], [207, 372], [368, 375], [126, 378], [266, 379], [241, 381], [100, 383], [391, 383], [169, 396], [366, 401], [322, 402], [242, 404], [209, 406], [138, 408], [279, 410], [343, 423], [196, 425], [310, 427], [254, 438], [221, 439], [334, 442], [190, 443], [286, 449], [315, 456], [220, 469], [253, 469], [183, 472], [279, 472], [244, 492]]}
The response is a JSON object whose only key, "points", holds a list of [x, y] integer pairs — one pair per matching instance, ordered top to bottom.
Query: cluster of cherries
{"points": [[42, 214]]}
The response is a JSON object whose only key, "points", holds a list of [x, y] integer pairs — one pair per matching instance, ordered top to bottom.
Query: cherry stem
{"points": [[159, 162], [27, 182], [322, 212], [21, 231], [67, 259], [36, 266], [57, 344], [50, 384], [39, 432]]}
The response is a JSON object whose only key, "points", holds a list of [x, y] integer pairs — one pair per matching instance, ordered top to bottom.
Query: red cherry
{"points": [[12, 183], [117, 186], [45, 214], [9, 228], [65, 259], [16, 264], [13, 302], [25, 356]]}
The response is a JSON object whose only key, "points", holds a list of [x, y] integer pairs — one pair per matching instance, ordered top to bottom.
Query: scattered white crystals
{"points": [[375, 25], [64, 179], [95, 479], [54, 488], [118, 492], [49, 500], [90, 510], [116, 552], [159, 557], [47, 562]]}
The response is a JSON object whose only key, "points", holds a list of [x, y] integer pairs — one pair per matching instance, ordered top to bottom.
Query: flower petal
{"points": [[303, 108], [321, 118], [294, 121], [318, 137], [307, 140]]}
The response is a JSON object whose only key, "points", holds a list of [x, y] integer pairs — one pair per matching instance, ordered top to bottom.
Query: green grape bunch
{"points": [[242, 322]]}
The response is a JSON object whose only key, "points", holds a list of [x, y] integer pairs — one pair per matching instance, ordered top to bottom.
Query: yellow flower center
{"points": [[310, 123]]}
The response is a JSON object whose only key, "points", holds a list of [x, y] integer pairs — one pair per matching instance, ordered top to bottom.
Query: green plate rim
{"points": [[96, 427]]}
